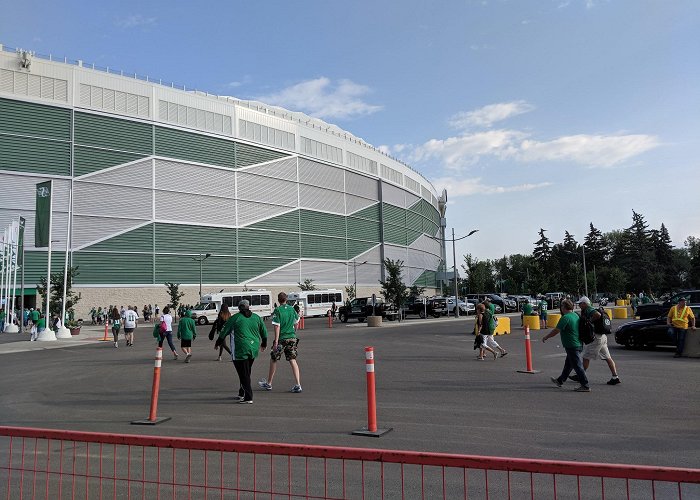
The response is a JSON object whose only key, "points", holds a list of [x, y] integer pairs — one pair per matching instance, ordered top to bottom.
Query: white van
{"points": [[316, 302], [208, 309]]}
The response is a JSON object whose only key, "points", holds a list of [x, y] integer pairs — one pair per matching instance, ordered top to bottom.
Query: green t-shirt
{"points": [[492, 308], [543, 308], [527, 309], [35, 316], [286, 318], [41, 324], [568, 328], [186, 329], [247, 335]]}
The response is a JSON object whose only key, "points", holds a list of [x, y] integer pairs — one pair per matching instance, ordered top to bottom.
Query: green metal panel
{"points": [[27, 118], [113, 133], [195, 147], [250, 155], [39, 156], [89, 160], [371, 213], [394, 215], [414, 221], [285, 222], [322, 223], [429, 227], [364, 229], [394, 234], [412, 235], [180, 238], [138, 240], [256, 242], [323, 247], [356, 247], [35, 266], [250, 267], [113, 268], [183, 269], [427, 279]]}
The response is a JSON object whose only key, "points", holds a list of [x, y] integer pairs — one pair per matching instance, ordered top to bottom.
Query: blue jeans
{"points": [[679, 335], [169, 336], [574, 361]]}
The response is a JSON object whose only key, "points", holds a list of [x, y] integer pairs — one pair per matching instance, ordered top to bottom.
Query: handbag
{"points": [[163, 327]]}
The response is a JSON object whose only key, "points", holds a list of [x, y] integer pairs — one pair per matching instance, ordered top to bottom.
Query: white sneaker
{"points": [[116, 344], [263, 383]]}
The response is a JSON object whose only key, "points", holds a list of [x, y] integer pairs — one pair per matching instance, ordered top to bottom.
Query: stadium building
{"points": [[149, 178]]}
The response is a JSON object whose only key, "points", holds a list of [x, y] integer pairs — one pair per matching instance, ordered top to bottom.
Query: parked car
{"points": [[476, 299], [554, 299], [438, 305], [421, 306], [362, 307], [465, 308], [654, 309], [648, 332]]}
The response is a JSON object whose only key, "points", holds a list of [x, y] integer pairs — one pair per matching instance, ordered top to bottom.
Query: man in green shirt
{"points": [[34, 318], [284, 319], [568, 328], [186, 333], [249, 336]]}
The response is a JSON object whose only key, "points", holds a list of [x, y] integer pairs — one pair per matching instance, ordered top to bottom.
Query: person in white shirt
{"points": [[130, 319], [168, 333]]}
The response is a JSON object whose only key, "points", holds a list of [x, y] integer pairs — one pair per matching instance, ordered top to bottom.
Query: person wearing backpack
{"points": [[568, 328], [599, 346]]}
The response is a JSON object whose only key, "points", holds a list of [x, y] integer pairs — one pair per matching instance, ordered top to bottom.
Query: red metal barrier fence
{"points": [[54, 464]]}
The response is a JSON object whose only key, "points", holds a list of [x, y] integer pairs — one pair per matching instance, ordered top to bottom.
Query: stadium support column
{"points": [[382, 271]]}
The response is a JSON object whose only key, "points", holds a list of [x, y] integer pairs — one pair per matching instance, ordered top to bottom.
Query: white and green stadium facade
{"points": [[147, 178]]}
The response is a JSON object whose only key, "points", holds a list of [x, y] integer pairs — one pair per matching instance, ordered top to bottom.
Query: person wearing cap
{"points": [[680, 318], [284, 320], [568, 328], [186, 333], [249, 335], [599, 347]]}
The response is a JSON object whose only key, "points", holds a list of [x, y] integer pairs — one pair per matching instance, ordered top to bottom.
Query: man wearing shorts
{"points": [[130, 318], [284, 320], [597, 348]]}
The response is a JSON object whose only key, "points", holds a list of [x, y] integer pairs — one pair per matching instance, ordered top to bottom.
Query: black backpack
{"points": [[603, 325], [586, 332]]}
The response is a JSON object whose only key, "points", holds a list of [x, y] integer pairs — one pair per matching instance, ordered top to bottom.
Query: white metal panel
{"points": [[7, 81], [117, 83], [194, 100], [252, 115], [285, 169], [139, 174], [319, 174], [195, 179], [361, 186], [267, 190], [23, 192], [392, 194], [321, 199], [411, 199], [111, 201], [356, 203], [185, 207], [250, 212], [58, 230], [87, 230], [426, 244], [394, 252], [373, 255], [423, 260], [325, 272], [290, 273]]}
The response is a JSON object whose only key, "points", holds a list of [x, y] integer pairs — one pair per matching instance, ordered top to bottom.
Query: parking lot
{"points": [[431, 391]]}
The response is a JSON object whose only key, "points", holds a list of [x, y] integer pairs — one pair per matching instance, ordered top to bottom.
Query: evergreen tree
{"points": [[543, 248], [596, 250], [307, 285]]}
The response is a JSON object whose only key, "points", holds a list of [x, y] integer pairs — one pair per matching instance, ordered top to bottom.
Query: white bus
{"points": [[316, 302], [208, 309]]}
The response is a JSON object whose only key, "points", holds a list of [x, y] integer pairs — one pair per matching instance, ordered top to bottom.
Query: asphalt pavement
{"points": [[431, 391]]}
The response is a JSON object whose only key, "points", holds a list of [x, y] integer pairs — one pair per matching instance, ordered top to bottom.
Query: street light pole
{"points": [[202, 258], [454, 268], [354, 270], [585, 276]]}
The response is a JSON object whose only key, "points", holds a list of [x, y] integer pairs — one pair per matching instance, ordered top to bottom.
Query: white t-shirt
{"points": [[130, 318], [168, 322]]}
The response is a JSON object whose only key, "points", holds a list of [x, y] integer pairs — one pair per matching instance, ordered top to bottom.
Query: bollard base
{"points": [[528, 371], [145, 421], [365, 432]]}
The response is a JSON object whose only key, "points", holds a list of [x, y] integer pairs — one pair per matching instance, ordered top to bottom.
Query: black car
{"points": [[654, 309], [649, 332]]}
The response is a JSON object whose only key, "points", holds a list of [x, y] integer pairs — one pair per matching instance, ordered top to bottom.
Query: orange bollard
{"points": [[330, 320], [301, 323], [105, 339], [528, 354], [155, 389], [371, 429]]}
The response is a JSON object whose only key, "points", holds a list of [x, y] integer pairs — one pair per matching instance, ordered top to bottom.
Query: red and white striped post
{"points": [[330, 320], [105, 339], [528, 354], [155, 389], [371, 429]]}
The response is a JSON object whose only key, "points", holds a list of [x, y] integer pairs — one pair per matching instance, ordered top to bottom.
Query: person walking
{"points": [[543, 313], [35, 317], [680, 317], [130, 320], [284, 320], [116, 325], [217, 327], [489, 327], [568, 328], [482, 329], [167, 331], [186, 333], [249, 336], [599, 347]]}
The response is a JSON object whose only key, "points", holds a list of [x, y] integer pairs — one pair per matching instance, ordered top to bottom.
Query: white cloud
{"points": [[134, 21], [324, 99], [488, 115], [465, 150], [588, 150], [457, 188]]}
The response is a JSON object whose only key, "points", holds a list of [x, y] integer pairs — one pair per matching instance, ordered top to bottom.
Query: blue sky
{"points": [[541, 113]]}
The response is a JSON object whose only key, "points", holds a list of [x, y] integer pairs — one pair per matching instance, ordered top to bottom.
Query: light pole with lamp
{"points": [[200, 259], [354, 271]]}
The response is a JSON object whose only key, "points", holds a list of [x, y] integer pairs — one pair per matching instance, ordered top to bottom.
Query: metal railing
{"points": [[43, 463]]}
